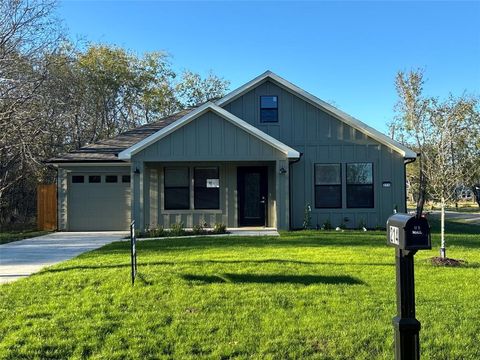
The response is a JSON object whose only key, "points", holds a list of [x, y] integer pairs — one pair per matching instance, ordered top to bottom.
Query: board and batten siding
{"points": [[322, 138], [208, 140], [155, 212]]}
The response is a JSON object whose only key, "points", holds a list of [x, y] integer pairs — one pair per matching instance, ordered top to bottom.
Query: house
{"points": [[256, 157]]}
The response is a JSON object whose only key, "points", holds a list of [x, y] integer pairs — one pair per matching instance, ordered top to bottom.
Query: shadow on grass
{"points": [[273, 279]]}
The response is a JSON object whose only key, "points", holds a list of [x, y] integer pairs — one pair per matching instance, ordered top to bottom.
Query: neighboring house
{"points": [[256, 157]]}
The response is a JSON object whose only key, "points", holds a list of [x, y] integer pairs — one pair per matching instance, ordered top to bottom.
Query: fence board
{"points": [[47, 207]]}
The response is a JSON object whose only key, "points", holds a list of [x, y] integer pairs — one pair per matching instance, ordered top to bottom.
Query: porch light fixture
{"points": [[137, 171], [283, 171]]}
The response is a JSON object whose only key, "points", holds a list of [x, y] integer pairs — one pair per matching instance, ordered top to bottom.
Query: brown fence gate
{"points": [[47, 207]]}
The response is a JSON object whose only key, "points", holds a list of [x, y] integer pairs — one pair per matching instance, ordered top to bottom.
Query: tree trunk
{"points": [[442, 230]]}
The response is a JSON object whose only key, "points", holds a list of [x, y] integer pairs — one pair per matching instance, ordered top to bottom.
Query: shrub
{"points": [[307, 217], [327, 225], [219, 228], [177, 229], [198, 229], [157, 232]]}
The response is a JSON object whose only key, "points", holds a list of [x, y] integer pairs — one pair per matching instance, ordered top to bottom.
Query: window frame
{"points": [[268, 108], [111, 176], [78, 177], [91, 177], [372, 185], [195, 186], [318, 187], [165, 188]]}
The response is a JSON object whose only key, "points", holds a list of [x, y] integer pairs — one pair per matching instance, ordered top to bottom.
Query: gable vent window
{"points": [[268, 109], [360, 185], [328, 186], [177, 188]]}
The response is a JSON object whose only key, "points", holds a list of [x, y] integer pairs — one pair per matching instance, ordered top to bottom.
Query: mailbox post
{"points": [[407, 234]]}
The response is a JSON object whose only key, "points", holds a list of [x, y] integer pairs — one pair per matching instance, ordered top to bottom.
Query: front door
{"points": [[252, 196]]}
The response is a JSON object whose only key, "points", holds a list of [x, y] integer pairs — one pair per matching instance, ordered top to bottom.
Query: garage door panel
{"points": [[98, 206]]}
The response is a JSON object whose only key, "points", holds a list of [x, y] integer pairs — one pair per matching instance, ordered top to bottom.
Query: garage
{"points": [[98, 201]]}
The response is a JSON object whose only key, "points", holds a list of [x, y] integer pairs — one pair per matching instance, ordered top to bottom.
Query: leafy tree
{"points": [[55, 96], [444, 132]]}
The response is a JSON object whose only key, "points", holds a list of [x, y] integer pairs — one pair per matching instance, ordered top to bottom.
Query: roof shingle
{"points": [[107, 150]]}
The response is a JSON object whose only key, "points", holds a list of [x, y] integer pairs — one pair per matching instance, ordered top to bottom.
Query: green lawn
{"points": [[15, 235], [321, 295]]}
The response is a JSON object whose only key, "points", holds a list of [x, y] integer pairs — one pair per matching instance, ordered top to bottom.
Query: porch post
{"points": [[138, 176], [282, 194]]}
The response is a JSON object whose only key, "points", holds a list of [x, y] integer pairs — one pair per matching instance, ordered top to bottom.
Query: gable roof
{"points": [[209, 106], [339, 114], [107, 150]]}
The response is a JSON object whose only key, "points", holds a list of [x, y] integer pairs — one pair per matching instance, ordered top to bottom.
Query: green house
{"points": [[258, 157]]}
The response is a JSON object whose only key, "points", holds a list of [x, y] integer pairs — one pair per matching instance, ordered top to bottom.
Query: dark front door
{"points": [[252, 196]]}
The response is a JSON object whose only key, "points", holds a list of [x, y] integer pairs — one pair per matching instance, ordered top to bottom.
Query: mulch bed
{"points": [[439, 261]]}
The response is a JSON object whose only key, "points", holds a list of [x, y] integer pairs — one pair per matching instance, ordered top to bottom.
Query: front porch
{"points": [[250, 195]]}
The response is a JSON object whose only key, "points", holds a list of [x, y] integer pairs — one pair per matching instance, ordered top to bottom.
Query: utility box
{"points": [[407, 232]]}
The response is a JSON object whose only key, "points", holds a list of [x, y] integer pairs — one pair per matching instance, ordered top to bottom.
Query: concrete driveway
{"points": [[22, 258]]}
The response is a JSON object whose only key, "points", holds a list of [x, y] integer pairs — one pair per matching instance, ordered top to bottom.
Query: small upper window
{"points": [[269, 108], [111, 178], [125, 178], [77, 179], [94, 179]]}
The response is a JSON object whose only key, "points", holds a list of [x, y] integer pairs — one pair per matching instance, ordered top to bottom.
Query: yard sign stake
{"points": [[133, 243]]}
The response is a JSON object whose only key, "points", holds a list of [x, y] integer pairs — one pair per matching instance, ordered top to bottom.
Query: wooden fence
{"points": [[47, 207]]}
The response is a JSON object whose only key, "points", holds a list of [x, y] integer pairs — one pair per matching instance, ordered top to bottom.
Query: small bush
{"points": [[327, 225], [219, 228], [177, 229], [198, 230], [157, 232]]}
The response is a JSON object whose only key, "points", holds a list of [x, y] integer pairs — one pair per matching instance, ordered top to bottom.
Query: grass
{"points": [[15, 235], [309, 294]]}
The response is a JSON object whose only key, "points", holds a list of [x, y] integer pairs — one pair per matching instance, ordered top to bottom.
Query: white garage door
{"points": [[98, 201]]}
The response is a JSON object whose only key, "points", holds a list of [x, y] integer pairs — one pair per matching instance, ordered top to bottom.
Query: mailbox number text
{"points": [[394, 235]]}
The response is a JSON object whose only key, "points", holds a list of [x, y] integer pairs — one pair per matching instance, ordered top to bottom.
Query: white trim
{"points": [[209, 106], [339, 114], [86, 164]]}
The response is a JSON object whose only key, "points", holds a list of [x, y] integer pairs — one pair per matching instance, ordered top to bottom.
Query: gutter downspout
{"points": [[407, 161], [290, 189]]}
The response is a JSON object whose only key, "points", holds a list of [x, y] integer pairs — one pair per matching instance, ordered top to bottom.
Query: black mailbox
{"points": [[408, 232]]}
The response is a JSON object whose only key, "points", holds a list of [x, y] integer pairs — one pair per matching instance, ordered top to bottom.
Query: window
{"points": [[268, 109], [125, 178], [78, 179], [94, 179], [111, 179], [360, 185], [328, 186], [206, 188], [177, 189]]}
